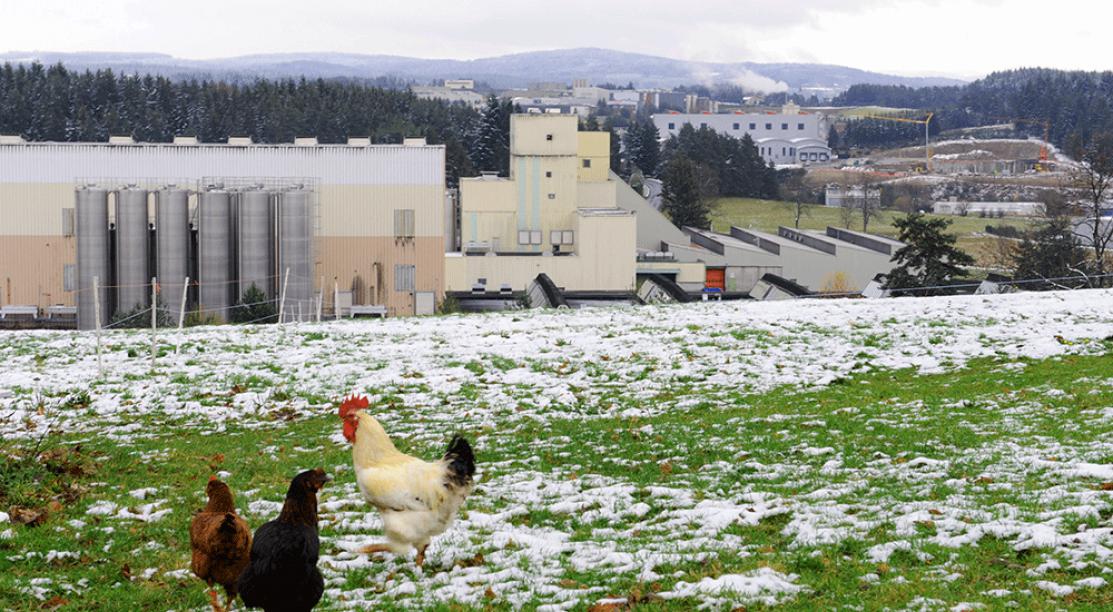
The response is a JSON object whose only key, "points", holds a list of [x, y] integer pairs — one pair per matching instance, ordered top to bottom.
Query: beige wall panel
{"points": [[528, 135], [598, 194], [488, 195], [33, 209], [368, 210], [342, 259], [604, 261], [31, 269]]}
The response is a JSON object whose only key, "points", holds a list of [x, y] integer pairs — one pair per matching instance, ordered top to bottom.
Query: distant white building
{"points": [[459, 84], [456, 92], [556, 105], [788, 137], [837, 196], [1004, 209]]}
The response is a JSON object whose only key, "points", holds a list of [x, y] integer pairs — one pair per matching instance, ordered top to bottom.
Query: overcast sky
{"points": [[915, 37]]}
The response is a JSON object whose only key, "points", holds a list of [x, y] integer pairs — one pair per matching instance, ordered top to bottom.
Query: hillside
{"points": [[516, 70], [818, 454]]}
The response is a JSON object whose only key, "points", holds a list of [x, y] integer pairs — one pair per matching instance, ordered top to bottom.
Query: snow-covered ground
{"points": [[530, 364], [531, 534]]}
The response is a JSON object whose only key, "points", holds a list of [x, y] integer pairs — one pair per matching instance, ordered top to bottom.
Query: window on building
{"points": [[737, 125], [672, 126], [753, 126], [768, 126], [784, 126], [800, 126], [548, 136], [792, 150], [782, 151], [814, 156], [823, 157], [587, 163], [548, 174], [552, 196], [67, 222], [404, 223], [523, 236], [527, 237], [535, 237], [560, 237], [69, 276], [404, 277]]}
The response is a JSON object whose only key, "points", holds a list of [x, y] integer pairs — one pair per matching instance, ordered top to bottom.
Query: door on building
{"points": [[716, 279], [424, 303]]}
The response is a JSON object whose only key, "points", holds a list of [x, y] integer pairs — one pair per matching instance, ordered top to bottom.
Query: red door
{"points": [[716, 279]]}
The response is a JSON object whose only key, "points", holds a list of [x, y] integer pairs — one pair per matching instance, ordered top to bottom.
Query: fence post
{"points": [[282, 298], [320, 299], [336, 299], [181, 316], [96, 318], [154, 319]]}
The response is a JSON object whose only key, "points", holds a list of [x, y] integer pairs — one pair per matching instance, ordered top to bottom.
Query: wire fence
{"points": [[1087, 282], [277, 315]]}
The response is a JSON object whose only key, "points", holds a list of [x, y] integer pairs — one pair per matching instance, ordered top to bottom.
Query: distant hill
{"points": [[516, 70]]}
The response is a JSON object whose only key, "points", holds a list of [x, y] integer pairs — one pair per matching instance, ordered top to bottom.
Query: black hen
{"points": [[283, 574]]}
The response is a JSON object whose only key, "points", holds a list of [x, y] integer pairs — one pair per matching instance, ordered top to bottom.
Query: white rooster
{"points": [[417, 499]]}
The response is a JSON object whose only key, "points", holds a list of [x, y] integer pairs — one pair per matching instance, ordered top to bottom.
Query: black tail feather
{"points": [[461, 460], [228, 525]]}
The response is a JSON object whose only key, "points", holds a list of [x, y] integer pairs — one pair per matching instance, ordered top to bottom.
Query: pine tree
{"points": [[616, 146], [685, 190], [1047, 252], [929, 257]]}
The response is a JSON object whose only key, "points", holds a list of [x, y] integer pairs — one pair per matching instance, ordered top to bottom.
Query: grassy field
{"points": [[768, 215], [912, 453]]}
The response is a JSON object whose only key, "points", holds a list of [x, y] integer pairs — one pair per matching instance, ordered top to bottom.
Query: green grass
{"points": [[768, 215], [877, 424]]}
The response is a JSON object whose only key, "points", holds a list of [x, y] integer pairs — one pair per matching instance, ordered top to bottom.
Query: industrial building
{"points": [[786, 138], [556, 214], [324, 225], [356, 228]]}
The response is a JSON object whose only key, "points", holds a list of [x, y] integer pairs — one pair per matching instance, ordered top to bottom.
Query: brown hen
{"points": [[221, 543]]}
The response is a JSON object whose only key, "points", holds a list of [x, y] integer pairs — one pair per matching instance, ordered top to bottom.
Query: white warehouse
{"points": [[788, 137]]}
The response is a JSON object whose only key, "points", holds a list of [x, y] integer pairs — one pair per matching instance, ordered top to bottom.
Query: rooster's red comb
{"points": [[351, 404], [212, 478]]}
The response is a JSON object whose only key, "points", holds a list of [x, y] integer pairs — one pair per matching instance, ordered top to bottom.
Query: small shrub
{"points": [[254, 307]]}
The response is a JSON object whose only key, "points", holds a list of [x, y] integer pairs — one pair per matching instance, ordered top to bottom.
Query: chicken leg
{"points": [[374, 548], [420, 560], [213, 600]]}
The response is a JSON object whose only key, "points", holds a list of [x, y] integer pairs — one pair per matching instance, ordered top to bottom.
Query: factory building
{"points": [[785, 138], [557, 214], [352, 224]]}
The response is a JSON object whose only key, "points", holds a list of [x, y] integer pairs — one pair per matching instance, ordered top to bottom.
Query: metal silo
{"points": [[255, 229], [132, 250], [295, 251], [172, 252], [214, 253], [92, 254]]}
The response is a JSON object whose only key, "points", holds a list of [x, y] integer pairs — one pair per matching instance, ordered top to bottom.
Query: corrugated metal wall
{"points": [[359, 188]]}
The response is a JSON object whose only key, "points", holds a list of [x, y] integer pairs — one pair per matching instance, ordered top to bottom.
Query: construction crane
{"points": [[927, 134]]}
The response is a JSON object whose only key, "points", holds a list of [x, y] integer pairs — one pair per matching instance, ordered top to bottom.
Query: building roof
{"points": [[786, 285]]}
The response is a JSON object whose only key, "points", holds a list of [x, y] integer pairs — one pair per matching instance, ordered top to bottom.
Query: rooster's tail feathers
{"points": [[461, 461]]}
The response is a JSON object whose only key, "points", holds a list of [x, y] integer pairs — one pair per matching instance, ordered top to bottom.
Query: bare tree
{"points": [[1093, 178], [795, 192], [869, 207], [847, 212]]}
